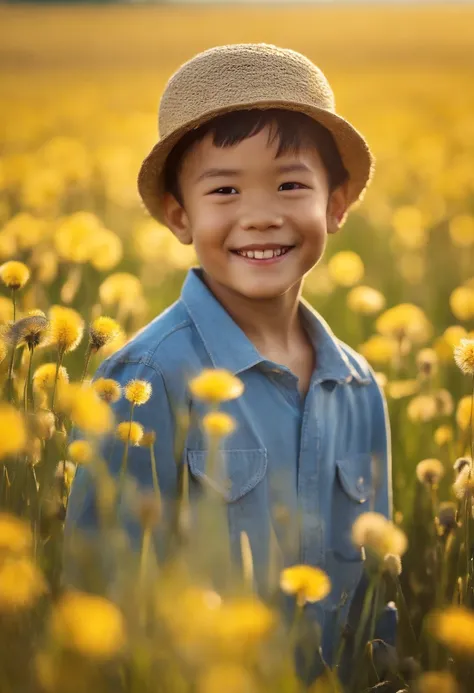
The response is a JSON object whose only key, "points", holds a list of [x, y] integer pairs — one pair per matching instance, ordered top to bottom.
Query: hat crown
{"points": [[240, 75]]}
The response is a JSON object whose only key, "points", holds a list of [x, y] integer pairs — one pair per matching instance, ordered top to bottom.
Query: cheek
{"points": [[211, 227]]}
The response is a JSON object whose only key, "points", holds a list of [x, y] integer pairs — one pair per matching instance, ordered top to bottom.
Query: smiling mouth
{"points": [[262, 255]]}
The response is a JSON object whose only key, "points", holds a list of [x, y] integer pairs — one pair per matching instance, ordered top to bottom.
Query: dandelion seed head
{"points": [[14, 274], [365, 300], [405, 320], [31, 330], [102, 331], [464, 356], [427, 362], [44, 375], [216, 385], [109, 390], [138, 392], [422, 408], [43, 424], [132, 431], [443, 435], [81, 452], [461, 463], [429, 471], [463, 485], [446, 520], [378, 535], [392, 564], [308, 584]]}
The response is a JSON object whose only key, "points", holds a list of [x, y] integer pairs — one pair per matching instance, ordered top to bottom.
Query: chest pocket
{"points": [[237, 472], [352, 495]]}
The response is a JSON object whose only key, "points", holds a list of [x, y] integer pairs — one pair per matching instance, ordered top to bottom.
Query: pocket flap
{"points": [[239, 471], [355, 476]]}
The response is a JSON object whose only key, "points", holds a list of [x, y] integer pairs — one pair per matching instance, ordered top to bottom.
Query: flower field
{"points": [[82, 269]]}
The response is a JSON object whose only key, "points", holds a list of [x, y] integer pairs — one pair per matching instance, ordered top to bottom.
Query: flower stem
{"points": [[14, 304], [87, 361], [56, 375], [28, 381], [123, 468], [154, 474], [367, 605]]}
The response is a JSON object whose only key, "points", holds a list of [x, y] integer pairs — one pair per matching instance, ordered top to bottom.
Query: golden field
{"points": [[79, 88]]}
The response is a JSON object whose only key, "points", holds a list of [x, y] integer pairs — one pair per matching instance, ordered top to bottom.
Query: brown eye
{"points": [[300, 185]]}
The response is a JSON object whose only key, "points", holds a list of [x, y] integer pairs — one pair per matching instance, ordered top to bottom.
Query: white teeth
{"points": [[260, 254], [263, 254], [267, 254]]}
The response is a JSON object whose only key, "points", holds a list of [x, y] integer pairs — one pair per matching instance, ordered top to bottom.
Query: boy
{"points": [[255, 169]]}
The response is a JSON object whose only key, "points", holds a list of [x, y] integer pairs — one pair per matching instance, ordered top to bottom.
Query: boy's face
{"points": [[240, 198]]}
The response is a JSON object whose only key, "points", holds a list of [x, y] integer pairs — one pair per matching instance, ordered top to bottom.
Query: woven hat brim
{"points": [[353, 148]]}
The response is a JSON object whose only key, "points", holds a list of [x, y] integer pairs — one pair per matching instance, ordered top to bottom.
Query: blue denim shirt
{"points": [[299, 469]]}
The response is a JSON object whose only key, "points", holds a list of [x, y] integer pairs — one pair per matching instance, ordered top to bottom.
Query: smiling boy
{"points": [[255, 169]]}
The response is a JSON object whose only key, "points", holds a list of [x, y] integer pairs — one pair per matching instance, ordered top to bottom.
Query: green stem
{"points": [[14, 304], [86, 364], [58, 366], [10, 374], [28, 381], [123, 468], [154, 474], [467, 544], [142, 572], [367, 605], [373, 618]]}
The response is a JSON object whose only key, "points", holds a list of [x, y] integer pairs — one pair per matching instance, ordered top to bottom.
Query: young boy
{"points": [[255, 169]]}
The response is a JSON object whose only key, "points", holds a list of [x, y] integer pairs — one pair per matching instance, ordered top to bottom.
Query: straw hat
{"points": [[243, 76]]}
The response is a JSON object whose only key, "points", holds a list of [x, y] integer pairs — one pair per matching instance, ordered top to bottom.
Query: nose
{"points": [[261, 217]]}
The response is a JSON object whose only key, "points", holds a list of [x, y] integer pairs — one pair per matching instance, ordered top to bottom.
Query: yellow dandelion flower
{"points": [[409, 226], [461, 230], [74, 238], [107, 250], [346, 268], [14, 274], [120, 288], [365, 300], [461, 303], [404, 320], [66, 328], [31, 330], [102, 331], [379, 350], [464, 356], [427, 361], [44, 375], [216, 385], [397, 389], [109, 390], [138, 392], [444, 402], [85, 408], [422, 408], [463, 412], [43, 424], [218, 424], [130, 430], [13, 435], [443, 435], [81, 452], [460, 463], [429, 471], [464, 484], [15, 534], [378, 535], [392, 564], [21, 584], [308, 584], [242, 622], [88, 624], [454, 628], [227, 676], [437, 682]]}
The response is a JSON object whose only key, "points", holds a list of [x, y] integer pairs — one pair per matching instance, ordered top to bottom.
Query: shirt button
{"points": [[360, 483]]}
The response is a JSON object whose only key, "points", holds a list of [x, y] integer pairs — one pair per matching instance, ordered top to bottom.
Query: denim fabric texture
{"points": [[302, 469]]}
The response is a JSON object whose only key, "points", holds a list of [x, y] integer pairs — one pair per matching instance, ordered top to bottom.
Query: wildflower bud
{"points": [[14, 274], [66, 328], [31, 330], [102, 331], [464, 356], [427, 362], [44, 376], [216, 385], [108, 390], [138, 392], [444, 402], [43, 424], [217, 424], [130, 431], [443, 435], [148, 439], [80, 452], [461, 463], [429, 471], [464, 483], [446, 520], [378, 535], [392, 564], [308, 584]]}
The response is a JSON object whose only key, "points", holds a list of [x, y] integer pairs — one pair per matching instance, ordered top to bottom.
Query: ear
{"points": [[337, 207], [176, 219]]}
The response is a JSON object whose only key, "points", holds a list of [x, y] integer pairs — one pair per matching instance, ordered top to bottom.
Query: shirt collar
{"points": [[229, 347]]}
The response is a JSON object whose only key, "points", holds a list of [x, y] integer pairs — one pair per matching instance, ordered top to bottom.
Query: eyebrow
{"points": [[220, 172]]}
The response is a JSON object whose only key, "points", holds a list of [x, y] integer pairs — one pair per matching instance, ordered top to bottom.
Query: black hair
{"points": [[293, 130]]}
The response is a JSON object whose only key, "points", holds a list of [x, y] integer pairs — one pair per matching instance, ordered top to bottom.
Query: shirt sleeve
{"points": [[157, 415]]}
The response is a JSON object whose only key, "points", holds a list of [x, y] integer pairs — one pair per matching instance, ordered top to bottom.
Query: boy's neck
{"points": [[272, 325]]}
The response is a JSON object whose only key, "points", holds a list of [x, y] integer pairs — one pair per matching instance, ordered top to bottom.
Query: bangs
{"points": [[291, 129]]}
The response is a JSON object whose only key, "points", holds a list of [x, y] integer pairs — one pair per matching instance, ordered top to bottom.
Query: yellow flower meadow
{"points": [[346, 268], [14, 274], [120, 288], [365, 300], [461, 303], [405, 320], [102, 331], [379, 350], [44, 375], [216, 385], [138, 392], [85, 408], [463, 412], [218, 424], [130, 431], [13, 434], [443, 435], [429, 471], [21, 584], [308, 584], [89, 625], [454, 628]]}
